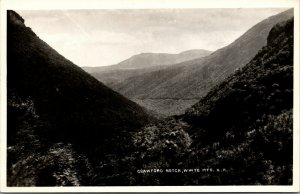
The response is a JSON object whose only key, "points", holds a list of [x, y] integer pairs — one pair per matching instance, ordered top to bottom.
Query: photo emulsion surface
{"points": [[150, 97]]}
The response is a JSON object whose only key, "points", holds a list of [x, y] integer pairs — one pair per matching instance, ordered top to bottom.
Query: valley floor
{"points": [[165, 107]]}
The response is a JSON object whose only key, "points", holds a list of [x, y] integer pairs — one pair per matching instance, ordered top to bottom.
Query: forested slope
{"points": [[240, 133]]}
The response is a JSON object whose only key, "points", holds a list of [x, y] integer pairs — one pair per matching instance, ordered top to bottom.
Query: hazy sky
{"points": [[106, 37]]}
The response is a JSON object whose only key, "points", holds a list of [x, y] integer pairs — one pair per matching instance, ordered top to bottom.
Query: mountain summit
{"points": [[145, 60], [141, 64]]}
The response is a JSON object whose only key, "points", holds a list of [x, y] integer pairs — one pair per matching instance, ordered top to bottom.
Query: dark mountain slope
{"points": [[193, 79], [266, 83], [63, 103], [250, 116], [240, 133]]}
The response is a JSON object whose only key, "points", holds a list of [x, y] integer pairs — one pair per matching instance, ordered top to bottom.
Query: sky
{"points": [[107, 37]]}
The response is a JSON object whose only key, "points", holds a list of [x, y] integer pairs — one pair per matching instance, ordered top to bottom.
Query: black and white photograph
{"points": [[136, 97]]}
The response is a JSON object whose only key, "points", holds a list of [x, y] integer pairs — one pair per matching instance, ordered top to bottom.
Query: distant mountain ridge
{"points": [[158, 59], [146, 60], [140, 64], [193, 79]]}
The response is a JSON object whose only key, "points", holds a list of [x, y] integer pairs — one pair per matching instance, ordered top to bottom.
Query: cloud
{"points": [[104, 37], [108, 37]]}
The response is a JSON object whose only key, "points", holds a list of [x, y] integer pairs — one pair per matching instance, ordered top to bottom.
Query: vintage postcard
{"points": [[139, 96]]}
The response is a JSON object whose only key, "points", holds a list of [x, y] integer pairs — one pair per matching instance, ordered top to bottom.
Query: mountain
{"points": [[157, 59], [145, 60], [141, 64], [171, 90], [250, 116], [63, 124], [240, 133]]}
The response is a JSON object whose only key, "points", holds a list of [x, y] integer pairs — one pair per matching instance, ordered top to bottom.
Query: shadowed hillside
{"points": [[54, 106]]}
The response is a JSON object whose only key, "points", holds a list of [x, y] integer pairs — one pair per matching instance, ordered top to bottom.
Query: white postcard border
{"points": [[146, 4]]}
